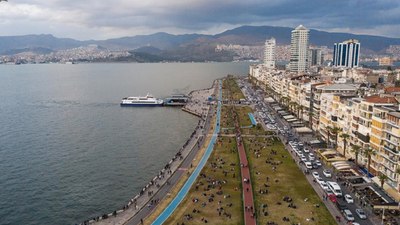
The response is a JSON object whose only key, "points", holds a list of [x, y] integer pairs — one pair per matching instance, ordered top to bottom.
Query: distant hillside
{"points": [[45, 41], [164, 46]]}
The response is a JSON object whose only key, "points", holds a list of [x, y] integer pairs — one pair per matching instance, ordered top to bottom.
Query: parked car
{"points": [[306, 150], [318, 163], [308, 165], [327, 173], [315, 174], [324, 185], [329, 192], [348, 198], [361, 214], [348, 215]]}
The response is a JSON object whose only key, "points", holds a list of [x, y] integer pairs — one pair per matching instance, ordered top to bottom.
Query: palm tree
{"points": [[294, 106], [300, 109], [310, 118], [335, 131], [329, 135], [344, 136], [356, 149], [369, 152], [382, 178]]}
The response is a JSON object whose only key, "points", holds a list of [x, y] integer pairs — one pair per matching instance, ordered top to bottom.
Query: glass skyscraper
{"points": [[346, 54]]}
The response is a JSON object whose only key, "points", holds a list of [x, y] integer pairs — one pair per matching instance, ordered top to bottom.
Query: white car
{"points": [[306, 150], [311, 157], [303, 159], [318, 163], [308, 165], [327, 173], [315, 174], [324, 185], [348, 198], [360, 213], [348, 215]]}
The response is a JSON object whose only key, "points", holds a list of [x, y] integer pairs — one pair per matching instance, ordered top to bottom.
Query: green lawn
{"points": [[235, 92], [220, 178], [284, 179]]}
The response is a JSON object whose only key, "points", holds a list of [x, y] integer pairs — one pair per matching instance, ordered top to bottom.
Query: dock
{"points": [[199, 102]]}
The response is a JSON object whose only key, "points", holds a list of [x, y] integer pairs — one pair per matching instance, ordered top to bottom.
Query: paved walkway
{"points": [[186, 187], [248, 198], [248, 202]]}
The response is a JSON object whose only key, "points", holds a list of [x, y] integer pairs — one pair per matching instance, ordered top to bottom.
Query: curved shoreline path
{"points": [[186, 187]]}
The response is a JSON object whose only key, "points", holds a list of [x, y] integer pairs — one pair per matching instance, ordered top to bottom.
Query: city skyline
{"points": [[103, 20]]}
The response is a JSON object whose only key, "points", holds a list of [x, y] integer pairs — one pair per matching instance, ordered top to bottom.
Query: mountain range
{"points": [[193, 47]]}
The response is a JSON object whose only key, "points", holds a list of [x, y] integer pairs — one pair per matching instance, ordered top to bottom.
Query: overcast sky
{"points": [[102, 19]]}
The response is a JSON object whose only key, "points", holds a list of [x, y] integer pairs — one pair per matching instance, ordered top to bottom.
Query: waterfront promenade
{"points": [[143, 204], [167, 212]]}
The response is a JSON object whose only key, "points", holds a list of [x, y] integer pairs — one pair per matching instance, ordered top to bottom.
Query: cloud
{"points": [[93, 19]]}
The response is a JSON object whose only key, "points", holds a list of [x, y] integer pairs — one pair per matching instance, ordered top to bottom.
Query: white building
{"points": [[299, 50], [269, 53]]}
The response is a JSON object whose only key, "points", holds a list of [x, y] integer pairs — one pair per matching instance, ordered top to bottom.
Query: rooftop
{"points": [[301, 27], [339, 87], [389, 90], [378, 99]]}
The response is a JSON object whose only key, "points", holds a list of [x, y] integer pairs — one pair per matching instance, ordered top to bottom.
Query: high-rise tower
{"points": [[299, 50], [269, 53], [346, 54]]}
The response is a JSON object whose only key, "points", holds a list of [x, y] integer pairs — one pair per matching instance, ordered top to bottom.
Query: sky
{"points": [[102, 19]]}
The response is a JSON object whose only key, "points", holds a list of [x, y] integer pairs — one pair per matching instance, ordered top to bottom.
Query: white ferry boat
{"points": [[148, 100]]}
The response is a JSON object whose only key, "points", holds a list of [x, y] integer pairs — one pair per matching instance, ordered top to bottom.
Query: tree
{"points": [[293, 106], [300, 109], [310, 118], [335, 131], [344, 136], [356, 149], [369, 152], [382, 178]]}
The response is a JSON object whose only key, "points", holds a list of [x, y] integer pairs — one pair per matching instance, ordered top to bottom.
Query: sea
{"points": [[69, 152]]}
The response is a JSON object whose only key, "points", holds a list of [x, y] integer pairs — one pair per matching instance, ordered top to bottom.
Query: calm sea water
{"points": [[69, 152]]}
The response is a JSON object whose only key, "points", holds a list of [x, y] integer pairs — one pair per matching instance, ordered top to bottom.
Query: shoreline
{"points": [[144, 198]]}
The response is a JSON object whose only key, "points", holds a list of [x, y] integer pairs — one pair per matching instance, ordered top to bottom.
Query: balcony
{"points": [[393, 123], [393, 131], [363, 138], [393, 141], [393, 150]]}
